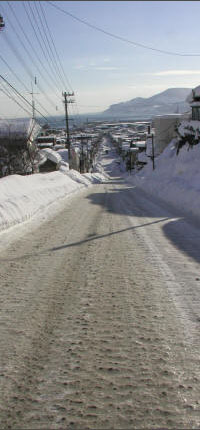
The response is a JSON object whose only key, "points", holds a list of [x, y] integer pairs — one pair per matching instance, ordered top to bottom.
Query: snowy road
{"points": [[100, 317]]}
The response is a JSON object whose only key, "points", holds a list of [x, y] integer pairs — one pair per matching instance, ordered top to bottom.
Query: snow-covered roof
{"points": [[19, 128], [140, 144], [58, 146], [125, 146], [134, 149], [52, 155]]}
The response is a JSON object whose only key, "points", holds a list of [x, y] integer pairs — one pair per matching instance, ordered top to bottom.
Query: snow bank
{"points": [[176, 179], [22, 197]]}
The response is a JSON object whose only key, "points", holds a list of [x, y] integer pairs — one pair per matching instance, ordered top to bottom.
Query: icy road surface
{"points": [[100, 317]]}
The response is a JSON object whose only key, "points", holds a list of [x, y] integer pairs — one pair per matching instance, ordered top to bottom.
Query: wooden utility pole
{"points": [[66, 101], [33, 102], [152, 144], [153, 156]]}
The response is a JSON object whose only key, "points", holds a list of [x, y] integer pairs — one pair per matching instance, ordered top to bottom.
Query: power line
{"points": [[34, 18], [45, 20], [123, 39], [49, 48], [43, 50], [33, 51], [19, 57], [11, 70], [64, 74], [21, 82], [6, 92], [17, 92]]}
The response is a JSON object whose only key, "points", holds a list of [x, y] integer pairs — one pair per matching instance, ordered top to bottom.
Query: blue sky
{"points": [[100, 69]]}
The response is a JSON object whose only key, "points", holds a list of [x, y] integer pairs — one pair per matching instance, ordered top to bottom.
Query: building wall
{"points": [[165, 130]]}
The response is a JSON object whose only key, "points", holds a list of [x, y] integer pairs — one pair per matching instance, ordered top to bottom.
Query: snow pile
{"points": [[76, 176], [95, 178], [176, 179], [22, 197]]}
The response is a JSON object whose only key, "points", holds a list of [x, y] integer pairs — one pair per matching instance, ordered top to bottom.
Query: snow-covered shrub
{"points": [[188, 133]]}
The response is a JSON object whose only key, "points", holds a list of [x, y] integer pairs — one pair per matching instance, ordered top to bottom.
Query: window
{"points": [[196, 113]]}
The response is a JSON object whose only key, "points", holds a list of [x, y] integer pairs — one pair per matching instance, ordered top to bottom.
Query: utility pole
{"points": [[33, 102], [66, 102], [152, 143], [153, 151]]}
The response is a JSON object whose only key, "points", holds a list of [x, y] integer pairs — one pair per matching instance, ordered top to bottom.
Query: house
{"points": [[194, 100], [165, 127], [188, 131], [46, 141], [18, 152], [50, 160]]}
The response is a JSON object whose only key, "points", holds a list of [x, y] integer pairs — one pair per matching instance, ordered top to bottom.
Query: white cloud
{"points": [[93, 66], [79, 67], [105, 68], [177, 72]]}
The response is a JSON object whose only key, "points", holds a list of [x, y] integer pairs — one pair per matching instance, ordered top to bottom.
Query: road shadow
{"points": [[131, 202], [182, 230], [184, 236], [80, 242]]}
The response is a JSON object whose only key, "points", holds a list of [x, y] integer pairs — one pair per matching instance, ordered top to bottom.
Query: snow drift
{"points": [[22, 197]]}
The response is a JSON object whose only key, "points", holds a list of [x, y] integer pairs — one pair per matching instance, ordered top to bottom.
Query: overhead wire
{"points": [[40, 34], [115, 36], [40, 44], [48, 46], [33, 50], [56, 52], [57, 55], [21, 60], [27, 69], [12, 71], [22, 83], [28, 90], [7, 93], [20, 95]]}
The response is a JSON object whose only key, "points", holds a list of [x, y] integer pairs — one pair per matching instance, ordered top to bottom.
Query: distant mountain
{"points": [[168, 102]]}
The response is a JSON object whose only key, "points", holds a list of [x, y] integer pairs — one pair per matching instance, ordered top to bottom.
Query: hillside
{"points": [[169, 101]]}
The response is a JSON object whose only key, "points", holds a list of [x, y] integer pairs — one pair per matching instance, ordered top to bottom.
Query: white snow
{"points": [[188, 127], [64, 154], [52, 155], [142, 157], [175, 180], [23, 197]]}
